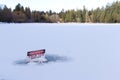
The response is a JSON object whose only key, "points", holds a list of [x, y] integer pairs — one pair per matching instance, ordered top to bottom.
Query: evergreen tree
{"points": [[18, 7], [28, 12], [19, 14], [84, 14], [6, 15]]}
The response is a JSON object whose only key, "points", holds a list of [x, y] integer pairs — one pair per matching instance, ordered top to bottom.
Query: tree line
{"points": [[108, 14]]}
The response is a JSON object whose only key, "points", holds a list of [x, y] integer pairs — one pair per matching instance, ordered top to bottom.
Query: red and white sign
{"points": [[36, 53]]}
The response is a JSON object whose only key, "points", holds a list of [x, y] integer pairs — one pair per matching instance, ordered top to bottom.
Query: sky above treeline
{"points": [[57, 5]]}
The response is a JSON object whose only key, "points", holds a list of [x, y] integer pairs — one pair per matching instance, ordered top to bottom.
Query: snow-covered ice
{"points": [[74, 51]]}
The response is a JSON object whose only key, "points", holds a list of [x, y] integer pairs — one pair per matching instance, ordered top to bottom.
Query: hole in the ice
{"points": [[49, 57]]}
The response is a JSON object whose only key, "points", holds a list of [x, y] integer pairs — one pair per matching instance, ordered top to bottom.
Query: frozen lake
{"points": [[76, 51]]}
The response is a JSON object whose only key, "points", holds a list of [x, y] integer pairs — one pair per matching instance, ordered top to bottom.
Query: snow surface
{"points": [[74, 51]]}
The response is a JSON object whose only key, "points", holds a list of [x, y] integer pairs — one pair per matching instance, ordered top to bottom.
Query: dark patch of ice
{"points": [[55, 58], [21, 62]]}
